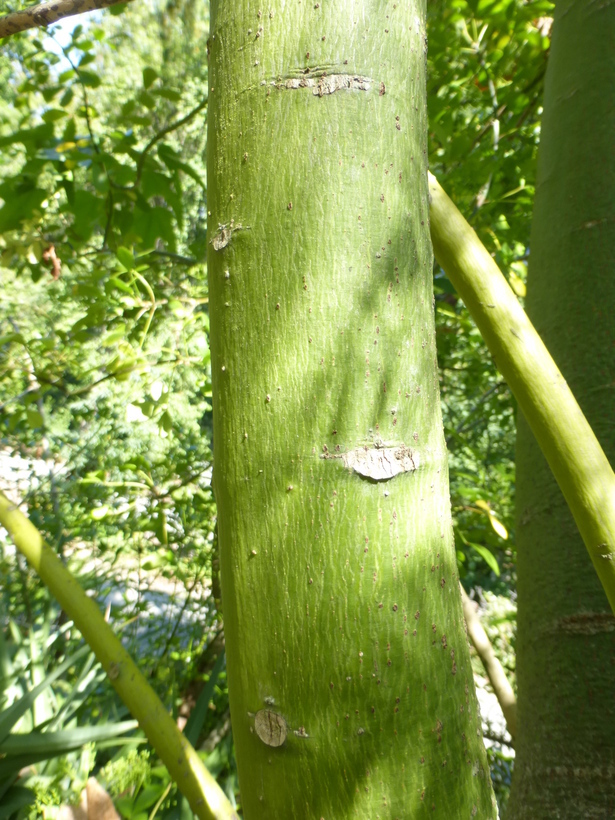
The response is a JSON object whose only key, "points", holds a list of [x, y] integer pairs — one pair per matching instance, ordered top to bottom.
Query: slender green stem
{"points": [[152, 310], [567, 441], [494, 669], [206, 798]]}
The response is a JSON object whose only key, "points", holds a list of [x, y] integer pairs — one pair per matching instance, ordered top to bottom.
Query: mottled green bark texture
{"points": [[350, 683], [565, 764]]}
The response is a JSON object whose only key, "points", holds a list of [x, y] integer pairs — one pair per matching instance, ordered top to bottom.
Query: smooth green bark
{"points": [[566, 439], [349, 676], [565, 765]]}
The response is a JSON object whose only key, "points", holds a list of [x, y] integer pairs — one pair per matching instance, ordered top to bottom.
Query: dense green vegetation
{"points": [[104, 360]]}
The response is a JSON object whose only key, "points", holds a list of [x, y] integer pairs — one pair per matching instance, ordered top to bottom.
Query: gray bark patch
{"points": [[326, 83], [224, 235], [381, 463], [586, 623], [270, 727]]}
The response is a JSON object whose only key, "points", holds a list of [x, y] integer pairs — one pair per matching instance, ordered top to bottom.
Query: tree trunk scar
{"points": [[326, 83], [225, 233], [379, 463], [585, 623], [270, 727]]}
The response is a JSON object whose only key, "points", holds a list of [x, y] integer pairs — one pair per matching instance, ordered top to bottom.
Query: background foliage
{"points": [[105, 385]]}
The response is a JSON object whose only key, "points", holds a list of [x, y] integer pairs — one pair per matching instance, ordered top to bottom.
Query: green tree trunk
{"points": [[350, 682], [565, 764]]}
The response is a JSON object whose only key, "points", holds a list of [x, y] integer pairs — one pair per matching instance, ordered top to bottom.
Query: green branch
{"points": [[567, 441], [494, 669], [206, 798]]}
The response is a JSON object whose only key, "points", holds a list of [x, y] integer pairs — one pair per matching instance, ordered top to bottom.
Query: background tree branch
{"points": [[44, 14], [494, 669]]}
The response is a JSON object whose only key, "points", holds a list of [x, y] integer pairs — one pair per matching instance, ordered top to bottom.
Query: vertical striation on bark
{"points": [[349, 675], [565, 765]]}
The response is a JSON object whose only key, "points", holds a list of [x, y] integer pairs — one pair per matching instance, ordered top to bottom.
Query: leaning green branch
{"points": [[44, 14], [562, 431], [494, 669], [206, 798]]}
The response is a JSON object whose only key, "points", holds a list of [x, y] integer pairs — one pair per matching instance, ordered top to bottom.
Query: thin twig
{"points": [[44, 14], [161, 134], [176, 257], [152, 310], [466, 423], [494, 669], [495, 738]]}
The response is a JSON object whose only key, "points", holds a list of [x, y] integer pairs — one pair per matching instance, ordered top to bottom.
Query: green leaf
{"points": [[85, 45], [150, 75], [89, 78], [50, 93], [168, 94], [66, 98], [146, 99], [128, 107], [53, 114], [28, 136], [171, 160], [155, 184], [19, 206], [89, 211], [152, 224], [126, 258], [516, 276], [120, 285], [116, 334], [12, 337], [147, 408], [34, 418], [166, 422], [98, 513], [495, 523], [498, 527], [486, 555], [155, 560], [10, 716], [197, 717], [52, 743], [21, 750], [149, 794], [16, 798]]}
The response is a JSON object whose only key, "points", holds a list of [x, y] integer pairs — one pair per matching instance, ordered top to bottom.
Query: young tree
{"points": [[566, 637], [350, 683]]}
